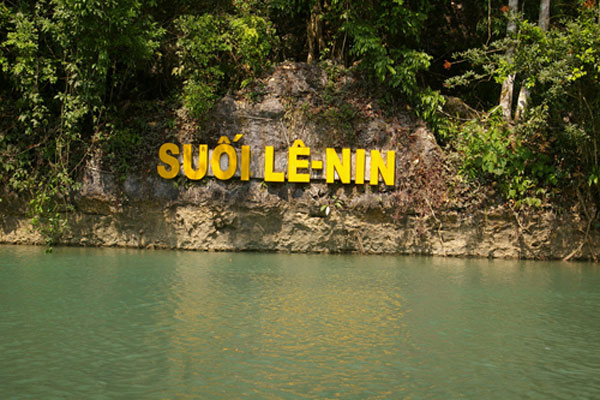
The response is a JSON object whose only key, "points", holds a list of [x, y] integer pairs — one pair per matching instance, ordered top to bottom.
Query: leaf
{"points": [[246, 82]]}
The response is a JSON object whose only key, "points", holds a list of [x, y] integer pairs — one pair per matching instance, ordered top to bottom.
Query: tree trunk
{"points": [[544, 23], [314, 31], [506, 94], [522, 101]]}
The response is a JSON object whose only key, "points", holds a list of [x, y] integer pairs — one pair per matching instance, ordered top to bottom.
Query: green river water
{"points": [[110, 323]]}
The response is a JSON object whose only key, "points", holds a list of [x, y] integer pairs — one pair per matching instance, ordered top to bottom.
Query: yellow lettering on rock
{"points": [[224, 148], [298, 149], [168, 159], [245, 167], [343, 167], [387, 168], [188, 169], [359, 173], [270, 174]]}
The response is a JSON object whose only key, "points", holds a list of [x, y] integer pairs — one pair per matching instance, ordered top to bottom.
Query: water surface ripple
{"points": [[103, 324]]}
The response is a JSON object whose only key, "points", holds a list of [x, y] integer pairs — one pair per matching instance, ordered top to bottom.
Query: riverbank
{"points": [[250, 217]]}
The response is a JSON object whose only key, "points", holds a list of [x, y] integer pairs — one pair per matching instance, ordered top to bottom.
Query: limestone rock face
{"points": [[98, 190], [426, 212]]}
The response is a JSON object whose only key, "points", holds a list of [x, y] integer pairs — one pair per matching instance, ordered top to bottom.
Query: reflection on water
{"points": [[84, 323]]}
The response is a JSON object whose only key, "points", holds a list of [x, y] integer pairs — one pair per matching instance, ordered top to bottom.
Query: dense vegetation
{"points": [[71, 71]]}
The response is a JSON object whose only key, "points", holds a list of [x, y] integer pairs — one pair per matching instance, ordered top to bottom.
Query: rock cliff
{"points": [[429, 211]]}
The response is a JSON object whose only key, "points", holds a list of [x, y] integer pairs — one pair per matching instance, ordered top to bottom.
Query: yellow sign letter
{"points": [[224, 147], [298, 149], [169, 159], [245, 167], [343, 168], [188, 169], [387, 169], [359, 173], [270, 175]]}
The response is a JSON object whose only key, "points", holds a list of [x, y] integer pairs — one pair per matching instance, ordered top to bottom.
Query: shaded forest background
{"points": [[512, 87]]}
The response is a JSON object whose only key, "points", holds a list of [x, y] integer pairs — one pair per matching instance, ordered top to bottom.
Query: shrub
{"points": [[215, 52]]}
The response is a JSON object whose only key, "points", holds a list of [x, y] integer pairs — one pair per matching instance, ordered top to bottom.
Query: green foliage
{"points": [[380, 39], [383, 40], [217, 51], [63, 63], [397, 68], [561, 69], [429, 106], [493, 153], [334, 203], [49, 204]]}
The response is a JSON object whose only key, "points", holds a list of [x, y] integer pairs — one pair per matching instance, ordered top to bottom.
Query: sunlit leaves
{"points": [[212, 49]]}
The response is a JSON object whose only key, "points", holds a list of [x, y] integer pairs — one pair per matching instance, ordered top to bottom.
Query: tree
{"points": [[544, 19], [314, 31], [64, 64], [506, 94], [524, 94]]}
